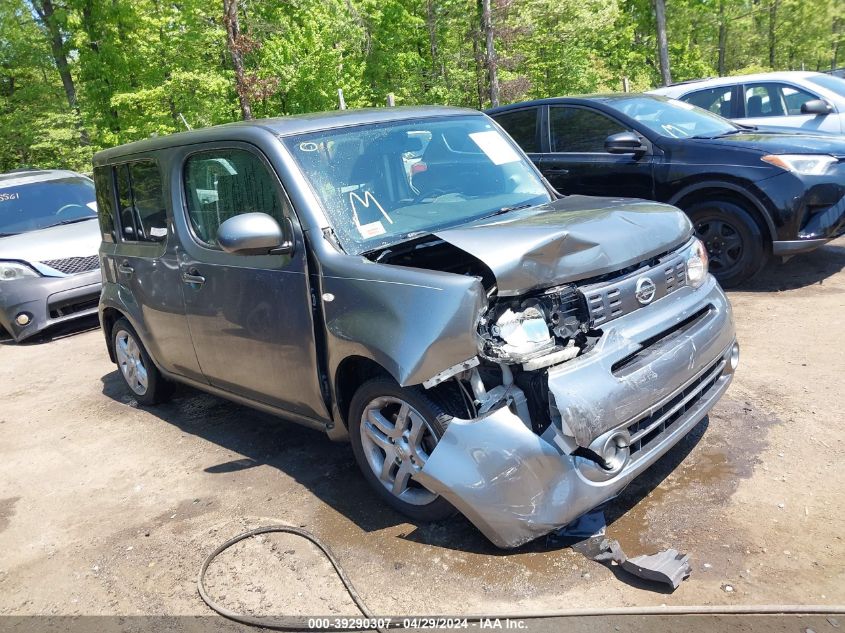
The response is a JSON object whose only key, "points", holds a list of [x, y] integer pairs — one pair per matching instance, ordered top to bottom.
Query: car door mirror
{"points": [[816, 106], [624, 143], [253, 234]]}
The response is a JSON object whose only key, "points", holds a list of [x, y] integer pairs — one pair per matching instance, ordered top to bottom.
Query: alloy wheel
{"points": [[131, 362], [397, 441]]}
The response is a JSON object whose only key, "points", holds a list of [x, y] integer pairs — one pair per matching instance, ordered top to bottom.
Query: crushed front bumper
{"points": [[47, 301], [644, 386]]}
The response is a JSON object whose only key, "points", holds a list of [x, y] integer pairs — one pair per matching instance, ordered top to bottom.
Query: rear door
{"points": [[576, 161], [143, 261], [250, 316]]}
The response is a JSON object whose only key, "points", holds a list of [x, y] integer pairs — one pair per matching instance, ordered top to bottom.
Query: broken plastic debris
{"points": [[586, 526], [668, 567]]}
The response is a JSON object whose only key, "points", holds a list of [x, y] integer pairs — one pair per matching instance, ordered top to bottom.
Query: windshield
{"points": [[835, 84], [672, 118], [383, 183], [38, 205]]}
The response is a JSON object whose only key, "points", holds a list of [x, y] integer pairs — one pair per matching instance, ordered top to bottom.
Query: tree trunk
{"points": [[47, 17], [230, 19], [773, 20], [431, 23], [723, 38], [662, 42], [490, 51]]}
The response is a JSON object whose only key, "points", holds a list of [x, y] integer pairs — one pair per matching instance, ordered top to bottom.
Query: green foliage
{"points": [[139, 66]]}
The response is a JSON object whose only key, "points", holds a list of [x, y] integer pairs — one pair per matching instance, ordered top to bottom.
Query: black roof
{"points": [[580, 99]]}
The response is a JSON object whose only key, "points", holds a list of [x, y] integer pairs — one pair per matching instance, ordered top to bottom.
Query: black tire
{"points": [[733, 240], [156, 389], [435, 509]]}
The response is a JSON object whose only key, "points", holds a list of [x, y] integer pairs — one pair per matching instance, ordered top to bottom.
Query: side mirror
{"points": [[816, 106], [624, 143], [253, 234]]}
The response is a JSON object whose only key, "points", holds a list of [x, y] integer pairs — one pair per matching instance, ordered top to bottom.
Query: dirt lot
{"points": [[106, 508]]}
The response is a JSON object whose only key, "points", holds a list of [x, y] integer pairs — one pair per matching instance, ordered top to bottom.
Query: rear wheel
{"points": [[732, 238], [136, 367], [393, 431]]}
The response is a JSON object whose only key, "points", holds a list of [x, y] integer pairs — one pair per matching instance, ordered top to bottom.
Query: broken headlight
{"points": [[697, 263], [517, 330], [524, 333]]}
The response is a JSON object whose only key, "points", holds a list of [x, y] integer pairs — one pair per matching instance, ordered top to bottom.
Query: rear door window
{"points": [[717, 100], [522, 126], [579, 130], [140, 195]]}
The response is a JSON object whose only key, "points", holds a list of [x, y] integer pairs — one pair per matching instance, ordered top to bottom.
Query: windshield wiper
{"points": [[721, 134], [504, 210], [70, 221], [7, 234]]}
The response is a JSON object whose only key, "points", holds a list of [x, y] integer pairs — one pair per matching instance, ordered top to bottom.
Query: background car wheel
{"points": [[733, 240], [135, 366], [393, 431]]}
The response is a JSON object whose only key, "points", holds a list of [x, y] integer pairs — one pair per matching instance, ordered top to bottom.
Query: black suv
{"points": [[749, 193]]}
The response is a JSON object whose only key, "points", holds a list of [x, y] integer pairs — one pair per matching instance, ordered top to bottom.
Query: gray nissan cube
{"points": [[405, 279]]}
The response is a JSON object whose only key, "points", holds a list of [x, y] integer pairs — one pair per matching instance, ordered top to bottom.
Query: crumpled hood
{"points": [[573, 238], [81, 239]]}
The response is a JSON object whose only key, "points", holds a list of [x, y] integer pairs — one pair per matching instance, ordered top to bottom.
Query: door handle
{"points": [[556, 172], [125, 269], [193, 277]]}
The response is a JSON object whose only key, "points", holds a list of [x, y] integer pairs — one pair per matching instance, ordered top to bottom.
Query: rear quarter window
{"points": [[104, 186]]}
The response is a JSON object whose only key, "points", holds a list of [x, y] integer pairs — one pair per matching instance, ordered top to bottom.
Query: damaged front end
{"points": [[578, 388]]}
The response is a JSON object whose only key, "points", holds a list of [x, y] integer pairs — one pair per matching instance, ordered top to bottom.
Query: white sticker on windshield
{"points": [[495, 146], [92, 206], [373, 229]]}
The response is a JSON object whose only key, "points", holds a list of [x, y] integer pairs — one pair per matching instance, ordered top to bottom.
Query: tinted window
{"points": [[772, 99], [717, 100], [522, 126], [580, 130], [224, 183], [105, 202], [38, 205], [143, 215]]}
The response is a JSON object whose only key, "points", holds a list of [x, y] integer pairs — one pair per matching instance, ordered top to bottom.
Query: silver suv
{"points": [[814, 102], [49, 267], [405, 279]]}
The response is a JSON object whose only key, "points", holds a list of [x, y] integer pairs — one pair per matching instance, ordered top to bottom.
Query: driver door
{"points": [[577, 163]]}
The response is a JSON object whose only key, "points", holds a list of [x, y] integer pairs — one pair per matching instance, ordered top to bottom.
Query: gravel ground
{"points": [[109, 509]]}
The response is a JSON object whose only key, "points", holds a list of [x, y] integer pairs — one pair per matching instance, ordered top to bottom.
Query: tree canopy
{"points": [[80, 75]]}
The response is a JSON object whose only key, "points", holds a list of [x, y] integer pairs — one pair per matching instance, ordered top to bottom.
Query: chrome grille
{"points": [[74, 265], [610, 300]]}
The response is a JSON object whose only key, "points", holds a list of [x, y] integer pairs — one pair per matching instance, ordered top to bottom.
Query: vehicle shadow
{"points": [[803, 270], [261, 439]]}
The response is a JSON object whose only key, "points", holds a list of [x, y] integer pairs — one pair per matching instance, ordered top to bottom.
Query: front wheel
{"points": [[732, 238], [393, 431]]}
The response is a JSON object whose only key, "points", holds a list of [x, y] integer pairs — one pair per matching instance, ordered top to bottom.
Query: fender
{"points": [[733, 188]]}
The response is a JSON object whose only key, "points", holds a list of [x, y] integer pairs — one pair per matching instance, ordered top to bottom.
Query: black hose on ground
{"points": [[295, 624]]}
